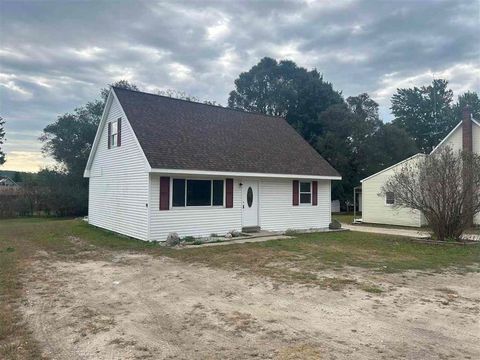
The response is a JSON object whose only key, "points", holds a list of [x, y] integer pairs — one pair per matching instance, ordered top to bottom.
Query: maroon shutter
{"points": [[119, 131], [109, 134], [164, 193], [229, 193], [295, 193], [314, 193]]}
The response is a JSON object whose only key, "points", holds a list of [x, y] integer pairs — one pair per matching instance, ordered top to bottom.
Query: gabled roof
{"points": [[451, 133], [179, 134], [394, 165]]}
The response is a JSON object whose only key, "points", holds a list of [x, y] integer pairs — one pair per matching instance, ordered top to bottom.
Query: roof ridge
{"points": [[201, 103]]}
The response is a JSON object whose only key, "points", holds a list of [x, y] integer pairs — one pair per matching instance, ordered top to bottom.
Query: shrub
{"points": [[291, 232], [188, 239]]}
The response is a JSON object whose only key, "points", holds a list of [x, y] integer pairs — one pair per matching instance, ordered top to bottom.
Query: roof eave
{"points": [[243, 174]]}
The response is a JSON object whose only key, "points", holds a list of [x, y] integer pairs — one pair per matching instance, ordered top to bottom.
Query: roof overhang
{"points": [[395, 165], [242, 174]]}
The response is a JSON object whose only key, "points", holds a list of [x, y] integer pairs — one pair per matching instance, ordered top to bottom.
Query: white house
{"points": [[160, 165], [380, 209]]}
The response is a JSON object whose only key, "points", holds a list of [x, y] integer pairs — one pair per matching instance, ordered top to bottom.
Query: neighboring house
{"points": [[160, 165], [7, 184], [381, 210]]}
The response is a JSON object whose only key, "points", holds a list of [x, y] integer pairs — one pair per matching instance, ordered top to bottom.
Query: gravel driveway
{"points": [[144, 307]]}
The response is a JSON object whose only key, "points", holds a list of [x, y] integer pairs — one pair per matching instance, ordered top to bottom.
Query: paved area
{"points": [[413, 233], [241, 240]]}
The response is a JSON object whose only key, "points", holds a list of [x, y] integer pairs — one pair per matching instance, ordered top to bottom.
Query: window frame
{"points": [[113, 135], [300, 192], [386, 198], [185, 206]]}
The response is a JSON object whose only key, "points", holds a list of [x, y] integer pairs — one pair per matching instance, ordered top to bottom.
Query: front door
{"points": [[250, 203]]}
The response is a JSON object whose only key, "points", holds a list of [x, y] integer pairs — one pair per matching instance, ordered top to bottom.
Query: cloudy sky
{"points": [[56, 55]]}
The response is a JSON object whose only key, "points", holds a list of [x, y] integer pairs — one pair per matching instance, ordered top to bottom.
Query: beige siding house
{"points": [[160, 165], [378, 209]]}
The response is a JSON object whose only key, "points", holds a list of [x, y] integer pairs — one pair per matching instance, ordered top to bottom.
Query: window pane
{"points": [[114, 127], [114, 140], [305, 187], [178, 192], [217, 192], [199, 193], [305, 198], [390, 198]]}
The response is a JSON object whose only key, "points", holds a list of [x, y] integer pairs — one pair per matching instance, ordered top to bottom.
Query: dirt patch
{"points": [[138, 306]]}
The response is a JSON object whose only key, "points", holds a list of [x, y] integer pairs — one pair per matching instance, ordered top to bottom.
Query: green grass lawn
{"points": [[290, 260]]}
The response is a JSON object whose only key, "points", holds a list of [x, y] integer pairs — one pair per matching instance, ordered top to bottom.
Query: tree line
{"points": [[347, 132]]}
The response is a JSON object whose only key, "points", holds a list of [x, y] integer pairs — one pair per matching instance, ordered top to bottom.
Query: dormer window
{"points": [[114, 133]]}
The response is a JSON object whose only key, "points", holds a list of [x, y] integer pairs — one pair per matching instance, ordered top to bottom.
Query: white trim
{"points": [[106, 110], [98, 134], [391, 167], [242, 174], [149, 208]]}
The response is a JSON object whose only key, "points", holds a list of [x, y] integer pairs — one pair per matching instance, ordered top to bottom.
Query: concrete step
{"points": [[251, 229]]}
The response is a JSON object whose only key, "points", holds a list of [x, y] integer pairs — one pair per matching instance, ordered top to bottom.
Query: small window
{"points": [[114, 134], [305, 192], [249, 197], [390, 198]]}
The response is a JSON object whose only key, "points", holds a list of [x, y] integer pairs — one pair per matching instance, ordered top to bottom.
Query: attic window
{"points": [[114, 134], [390, 198]]}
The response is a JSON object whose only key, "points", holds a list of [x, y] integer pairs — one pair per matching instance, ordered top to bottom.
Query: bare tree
{"points": [[444, 186]]}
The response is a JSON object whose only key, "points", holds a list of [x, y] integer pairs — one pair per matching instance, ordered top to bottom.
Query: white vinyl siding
{"points": [[118, 184], [374, 205], [277, 212], [192, 221]]}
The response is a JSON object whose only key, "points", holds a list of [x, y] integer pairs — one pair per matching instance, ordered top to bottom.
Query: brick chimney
{"points": [[467, 129], [467, 141]]}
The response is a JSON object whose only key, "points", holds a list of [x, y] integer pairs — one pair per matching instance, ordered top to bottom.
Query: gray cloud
{"points": [[56, 55]]}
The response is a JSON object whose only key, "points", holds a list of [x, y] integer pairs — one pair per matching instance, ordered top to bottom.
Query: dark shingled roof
{"points": [[179, 134]]}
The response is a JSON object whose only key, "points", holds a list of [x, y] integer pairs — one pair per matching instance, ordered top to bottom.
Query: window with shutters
{"points": [[114, 133], [197, 192], [305, 192], [390, 198]]}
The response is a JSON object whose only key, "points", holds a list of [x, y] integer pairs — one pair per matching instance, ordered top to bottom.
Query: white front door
{"points": [[250, 203]]}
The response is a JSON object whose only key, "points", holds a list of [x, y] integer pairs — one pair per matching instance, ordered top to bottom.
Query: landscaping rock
{"points": [[235, 233], [228, 236], [172, 239]]}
